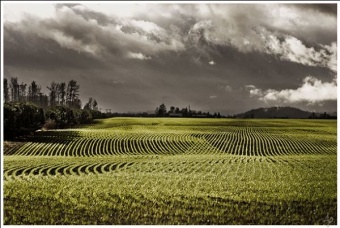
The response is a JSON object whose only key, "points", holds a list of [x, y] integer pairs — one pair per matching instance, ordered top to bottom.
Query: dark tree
{"points": [[14, 89], [6, 90], [22, 92], [33, 92], [53, 93], [61, 93], [57, 94], [72, 94], [42, 100], [77, 103], [88, 105], [91, 105], [95, 105], [161, 111], [184, 111], [62, 116], [82, 116], [22, 119]]}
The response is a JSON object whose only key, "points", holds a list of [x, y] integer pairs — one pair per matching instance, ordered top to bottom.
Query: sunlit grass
{"points": [[176, 171]]}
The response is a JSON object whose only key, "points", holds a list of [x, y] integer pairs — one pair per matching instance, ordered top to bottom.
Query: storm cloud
{"points": [[213, 57]]}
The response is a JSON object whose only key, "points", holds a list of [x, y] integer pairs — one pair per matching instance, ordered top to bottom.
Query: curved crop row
{"points": [[155, 136], [246, 143], [64, 169]]}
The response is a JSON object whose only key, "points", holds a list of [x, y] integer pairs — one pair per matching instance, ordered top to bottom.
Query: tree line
{"points": [[59, 93], [27, 109], [161, 111], [321, 116]]}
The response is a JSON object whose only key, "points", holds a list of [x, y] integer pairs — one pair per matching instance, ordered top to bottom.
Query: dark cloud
{"points": [[326, 8], [34, 52], [182, 55]]}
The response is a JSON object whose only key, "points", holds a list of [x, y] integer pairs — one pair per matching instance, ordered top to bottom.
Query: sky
{"points": [[221, 57]]}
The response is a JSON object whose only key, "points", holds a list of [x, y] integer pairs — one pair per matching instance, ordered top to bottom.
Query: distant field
{"points": [[175, 171]]}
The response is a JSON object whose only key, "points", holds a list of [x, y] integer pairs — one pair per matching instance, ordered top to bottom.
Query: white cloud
{"points": [[80, 7], [147, 26], [145, 29], [227, 33], [142, 36], [71, 43], [294, 50], [140, 56], [332, 57], [212, 62], [250, 87], [312, 91], [255, 92], [213, 97]]}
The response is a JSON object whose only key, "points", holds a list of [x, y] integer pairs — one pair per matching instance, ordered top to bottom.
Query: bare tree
{"points": [[14, 89], [6, 90], [22, 92], [33, 92], [53, 93], [62, 93], [72, 96], [42, 100], [92, 104], [88, 105], [95, 105]]}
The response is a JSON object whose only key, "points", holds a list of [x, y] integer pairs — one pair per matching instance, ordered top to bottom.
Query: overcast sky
{"points": [[214, 57]]}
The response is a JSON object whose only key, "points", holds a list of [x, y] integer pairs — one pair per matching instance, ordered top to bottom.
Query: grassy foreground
{"points": [[175, 171]]}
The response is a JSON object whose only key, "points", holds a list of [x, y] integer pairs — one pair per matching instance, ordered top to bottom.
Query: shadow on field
{"points": [[60, 137]]}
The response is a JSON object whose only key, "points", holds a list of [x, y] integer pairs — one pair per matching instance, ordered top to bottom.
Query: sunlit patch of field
{"points": [[175, 171]]}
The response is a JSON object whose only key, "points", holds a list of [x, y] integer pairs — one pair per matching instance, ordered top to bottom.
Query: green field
{"points": [[175, 171]]}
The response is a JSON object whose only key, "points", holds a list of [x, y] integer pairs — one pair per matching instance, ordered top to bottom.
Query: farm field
{"points": [[175, 171]]}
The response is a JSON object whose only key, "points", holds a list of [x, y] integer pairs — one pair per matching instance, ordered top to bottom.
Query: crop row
{"points": [[247, 142], [215, 166], [63, 169], [196, 189]]}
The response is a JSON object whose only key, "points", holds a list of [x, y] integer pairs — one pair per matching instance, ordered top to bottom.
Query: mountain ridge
{"points": [[276, 112]]}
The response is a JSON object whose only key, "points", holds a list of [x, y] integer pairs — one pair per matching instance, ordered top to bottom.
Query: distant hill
{"points": [[275, 112]]}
